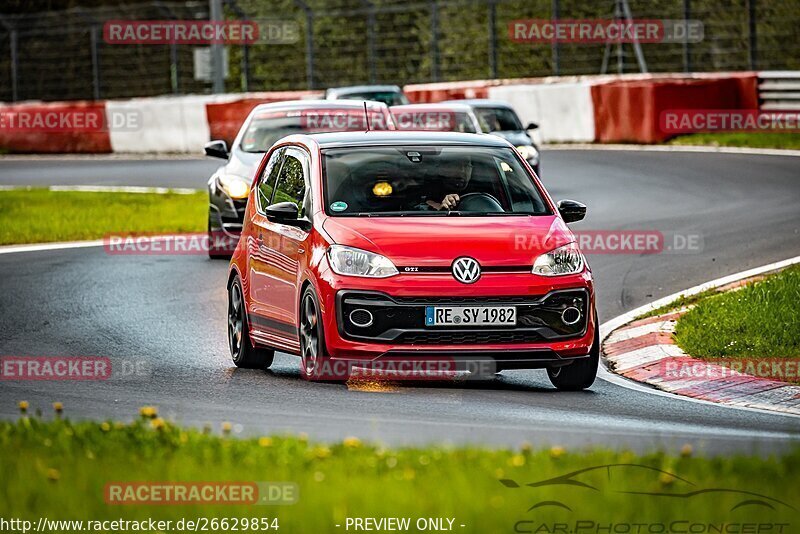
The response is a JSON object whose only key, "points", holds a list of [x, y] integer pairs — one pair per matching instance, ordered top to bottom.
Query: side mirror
{"points": [[531, 126], [216, 149], [571, 210], [282, 212]]}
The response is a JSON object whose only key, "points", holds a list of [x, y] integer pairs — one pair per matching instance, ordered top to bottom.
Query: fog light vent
{"points": [[571, 315], [361, 317]]}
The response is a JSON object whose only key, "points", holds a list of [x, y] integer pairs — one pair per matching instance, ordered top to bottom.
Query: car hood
{"points": [[514, 137], [243, 164], [437, 241]]}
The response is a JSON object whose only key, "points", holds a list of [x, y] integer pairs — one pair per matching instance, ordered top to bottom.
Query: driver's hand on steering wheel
{"points": [[450, 201]]}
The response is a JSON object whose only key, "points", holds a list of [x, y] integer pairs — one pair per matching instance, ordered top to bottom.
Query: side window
{"points": [[292, 182], [266, 184]]}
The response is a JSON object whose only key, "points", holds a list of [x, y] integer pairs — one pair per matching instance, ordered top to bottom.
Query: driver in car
{"points": [[458, 183]]}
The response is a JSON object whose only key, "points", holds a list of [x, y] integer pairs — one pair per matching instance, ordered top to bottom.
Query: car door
{"points": [[293, 186], [263, 242]]}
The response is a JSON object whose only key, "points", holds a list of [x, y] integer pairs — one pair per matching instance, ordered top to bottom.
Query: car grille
{"points": [[468, 338]]}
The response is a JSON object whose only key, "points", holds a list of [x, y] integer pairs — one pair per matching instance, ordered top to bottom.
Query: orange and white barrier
{"points": [[585, 109]]}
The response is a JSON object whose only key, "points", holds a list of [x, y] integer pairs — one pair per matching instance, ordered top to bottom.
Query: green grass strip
{"points": [[741, 139], [41, 216], [760, 320], [59, 469]]}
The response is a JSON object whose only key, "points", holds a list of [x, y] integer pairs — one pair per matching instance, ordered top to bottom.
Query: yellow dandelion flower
{"points": [[23, 406], [58, 407], [148, 412], [158, 423], [105, 427], [226, 427], [265, 441], [351, 442], [687, 450], [322, 452], [557, 452], [517, 460]]}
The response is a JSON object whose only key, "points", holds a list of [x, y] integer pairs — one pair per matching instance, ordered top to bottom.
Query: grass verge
{"points": [[741, 139], [40, 215], [760, 320], [58, 469]]}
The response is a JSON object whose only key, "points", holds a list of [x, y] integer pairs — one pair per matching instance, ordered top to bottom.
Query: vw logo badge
{"points": [[466, 270]]}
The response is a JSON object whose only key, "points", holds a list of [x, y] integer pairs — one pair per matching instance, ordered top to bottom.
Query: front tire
{"points": [[244, 354], [313, 355], [579, 374]]}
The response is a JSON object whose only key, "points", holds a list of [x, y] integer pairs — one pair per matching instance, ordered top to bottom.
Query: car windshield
{"points": [[390, 98], [497, 119], [267, 127], [416, 180]]}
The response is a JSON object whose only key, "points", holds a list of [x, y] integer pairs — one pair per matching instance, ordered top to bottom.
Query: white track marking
{"points": [[675, 148], [105, 189], [11, 249]]}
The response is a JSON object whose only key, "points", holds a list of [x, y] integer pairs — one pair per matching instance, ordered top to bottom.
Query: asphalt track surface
{"points": [[167, 315]]}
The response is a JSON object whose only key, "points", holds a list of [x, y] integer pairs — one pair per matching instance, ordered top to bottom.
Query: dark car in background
{"points": [[391, 95], [435, 118], [499, 118], [229, 186]]}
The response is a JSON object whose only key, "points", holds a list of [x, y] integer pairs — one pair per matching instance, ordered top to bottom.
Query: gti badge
{"points": [[466, 270]]}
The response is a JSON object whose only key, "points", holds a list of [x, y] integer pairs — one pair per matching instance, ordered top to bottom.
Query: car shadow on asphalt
{"points": [[527, 381]]}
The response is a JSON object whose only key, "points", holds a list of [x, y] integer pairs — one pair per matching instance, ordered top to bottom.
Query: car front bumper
{"points": [[225, 215], [398, 332]]}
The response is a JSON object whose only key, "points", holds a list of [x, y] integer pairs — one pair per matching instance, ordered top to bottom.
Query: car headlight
{"points": [[529, 153], [234, 186], [563, 260], [356, 262]]}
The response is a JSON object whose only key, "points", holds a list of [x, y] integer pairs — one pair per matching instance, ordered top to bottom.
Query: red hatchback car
{"points": [[381, 250]]}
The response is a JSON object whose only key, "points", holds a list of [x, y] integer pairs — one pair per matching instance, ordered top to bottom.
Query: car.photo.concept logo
{"points": [[639, 481]]}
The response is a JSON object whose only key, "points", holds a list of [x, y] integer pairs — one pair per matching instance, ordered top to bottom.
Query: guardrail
{"points": [[779, 90]]}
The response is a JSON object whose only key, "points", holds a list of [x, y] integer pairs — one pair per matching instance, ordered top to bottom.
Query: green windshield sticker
{"points": [[339, 206]]}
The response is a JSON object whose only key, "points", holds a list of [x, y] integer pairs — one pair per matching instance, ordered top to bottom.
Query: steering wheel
{"points": [[479, 202]]}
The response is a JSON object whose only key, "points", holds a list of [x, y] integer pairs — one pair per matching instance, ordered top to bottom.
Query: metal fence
{"points": [[63, 56]]}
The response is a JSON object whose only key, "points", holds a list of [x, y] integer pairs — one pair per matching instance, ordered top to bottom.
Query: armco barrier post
{"points": [[753, 35], [93, 39], [492, 39], [434, 41], [554, 45], [687, 46]]}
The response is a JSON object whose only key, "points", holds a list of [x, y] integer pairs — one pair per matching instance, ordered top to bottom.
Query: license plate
{"points": [[470, 316]]}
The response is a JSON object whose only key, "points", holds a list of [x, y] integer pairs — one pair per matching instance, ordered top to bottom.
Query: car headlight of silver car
{"points": [[530, 153], [234, 186], [563, 260], [351, 261]]}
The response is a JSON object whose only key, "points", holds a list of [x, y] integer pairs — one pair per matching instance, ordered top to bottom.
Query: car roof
{"points": [[364, 89], [480, 103], [314, 104], [453, 106], [398, 137]]}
